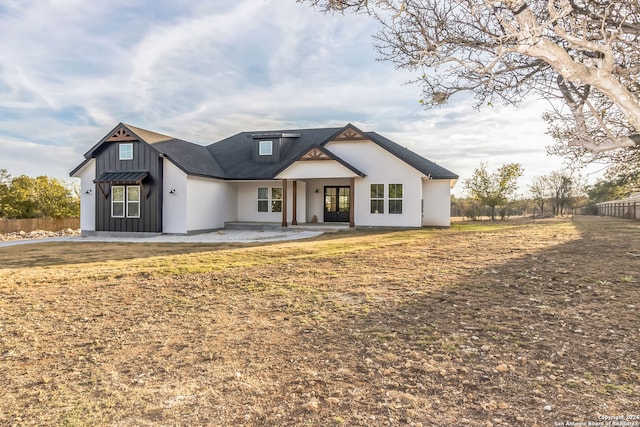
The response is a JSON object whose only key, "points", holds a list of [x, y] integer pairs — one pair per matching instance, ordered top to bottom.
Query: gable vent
{"points": [[121, 134], [350, 135], [316, 154]]}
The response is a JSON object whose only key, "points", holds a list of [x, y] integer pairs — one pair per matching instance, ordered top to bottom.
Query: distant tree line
{"points": [[493, 189], [560, 192], [494, 194], [40, 197]]}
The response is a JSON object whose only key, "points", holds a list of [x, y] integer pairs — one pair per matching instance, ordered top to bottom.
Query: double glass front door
{"points": [[336, 204]]}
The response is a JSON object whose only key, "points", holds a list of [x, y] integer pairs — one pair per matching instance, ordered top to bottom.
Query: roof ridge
{"points": [[290, 130]]}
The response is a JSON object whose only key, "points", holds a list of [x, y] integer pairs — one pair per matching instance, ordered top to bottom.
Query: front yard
{"points": [[483, 324]]}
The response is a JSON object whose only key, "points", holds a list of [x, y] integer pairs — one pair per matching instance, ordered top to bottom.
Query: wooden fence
{"points": [[33, 224]]}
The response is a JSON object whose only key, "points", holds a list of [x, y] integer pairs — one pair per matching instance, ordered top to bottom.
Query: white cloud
{"points": [[207, 70], [460, 138], [23, 157]]}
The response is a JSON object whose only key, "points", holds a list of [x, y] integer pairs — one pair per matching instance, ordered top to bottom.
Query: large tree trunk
{"points": [[534, 44]]}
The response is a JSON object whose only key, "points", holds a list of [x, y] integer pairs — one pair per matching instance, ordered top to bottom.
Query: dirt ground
{"points": [[513, 324]]}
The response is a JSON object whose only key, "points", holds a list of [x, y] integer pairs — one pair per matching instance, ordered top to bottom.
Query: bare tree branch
{"points": [[507, 49]]}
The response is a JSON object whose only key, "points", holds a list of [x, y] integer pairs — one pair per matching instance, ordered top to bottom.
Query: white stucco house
{"points": [[137, 181]]}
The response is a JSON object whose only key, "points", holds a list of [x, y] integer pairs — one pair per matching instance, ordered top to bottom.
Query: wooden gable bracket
{"points": [[121, 134], [350, 135], [316, 154], [104, 192], [145, 193]]}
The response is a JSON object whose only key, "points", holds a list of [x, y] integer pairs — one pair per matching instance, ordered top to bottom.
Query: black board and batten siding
{"points": [[280, 146], [145, 158]]}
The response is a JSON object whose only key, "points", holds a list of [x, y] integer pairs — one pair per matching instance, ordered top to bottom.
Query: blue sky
{"points": [[70, 70]]}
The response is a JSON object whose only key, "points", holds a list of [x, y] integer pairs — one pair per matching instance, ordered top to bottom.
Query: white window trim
{"points": [[120, 146], [265, 148], [395, 198], [270, 199], [377, 199], [263, 200], [125, 201], [129, 202]]}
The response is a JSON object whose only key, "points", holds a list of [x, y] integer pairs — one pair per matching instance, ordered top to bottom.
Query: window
{"points": [[265, 148], [125, 151], [377, 198], [395, 198], [270, 199], [276, 199], [263, 200], [125, 201], [133, 201], [117, 202]]}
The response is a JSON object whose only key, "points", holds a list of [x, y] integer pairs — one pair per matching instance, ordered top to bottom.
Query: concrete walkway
{"points": [[224, 236]]}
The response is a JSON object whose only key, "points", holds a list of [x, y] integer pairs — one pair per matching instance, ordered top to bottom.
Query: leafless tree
{"points": [[583, 55], [561, 188], [539, 192]]}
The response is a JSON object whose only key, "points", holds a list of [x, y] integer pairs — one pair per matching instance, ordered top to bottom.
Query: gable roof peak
{"points": [[120, 133], [349, 133], [317, 153]]}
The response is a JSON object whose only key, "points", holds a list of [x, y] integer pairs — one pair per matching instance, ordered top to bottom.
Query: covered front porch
{"points": [[328, 189], [328, 201], [292, 202]]}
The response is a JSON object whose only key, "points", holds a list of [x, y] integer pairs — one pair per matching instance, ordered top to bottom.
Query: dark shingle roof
{"points": [[235, 154], [192, 158], [232, 158]]}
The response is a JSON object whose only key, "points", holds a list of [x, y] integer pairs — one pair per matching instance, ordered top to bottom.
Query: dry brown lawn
{"points": [[482, 324]]}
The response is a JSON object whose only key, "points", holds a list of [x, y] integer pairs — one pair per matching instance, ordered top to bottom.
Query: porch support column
{"points": [[352, 195], [284, 202], [294, 208]]}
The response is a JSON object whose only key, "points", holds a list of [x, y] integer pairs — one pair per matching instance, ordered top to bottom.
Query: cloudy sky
{"points": [[70, 70]]}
